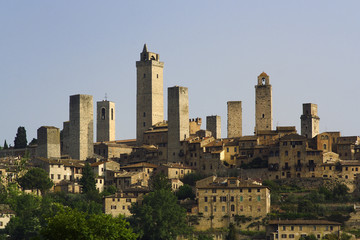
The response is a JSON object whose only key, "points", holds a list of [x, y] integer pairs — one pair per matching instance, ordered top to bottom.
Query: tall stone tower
{"points": [[149, 95], [263, 104], [234, 119], [178, 120], [309, 120], [105, 121], [213, 124], [65, 138], [48, 142], [81, 144]]}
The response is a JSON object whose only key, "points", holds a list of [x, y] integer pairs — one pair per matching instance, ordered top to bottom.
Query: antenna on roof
{"points": [[105, 96]]}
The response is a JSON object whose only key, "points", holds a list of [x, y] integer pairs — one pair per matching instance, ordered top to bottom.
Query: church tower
{"points": [[150, 93], [263, 104], [309, 120], [105, 121]]}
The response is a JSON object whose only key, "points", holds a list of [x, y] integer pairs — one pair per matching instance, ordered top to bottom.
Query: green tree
{"points": [[20, 139], [33, 141], [6, 145], [36, 178], [192, 178], [87, 180], [159, 181], [185, 192], [159, 216], [26, 223], [72, 224], [232, 232], [308, 237]]}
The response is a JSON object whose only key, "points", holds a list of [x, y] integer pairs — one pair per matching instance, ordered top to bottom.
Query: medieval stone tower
{"points": [[149, 95], [263, 104], [234, 119], [178, 120], [309, 120], [105, 121], [213, 124], [81, 131], [48, 142]]}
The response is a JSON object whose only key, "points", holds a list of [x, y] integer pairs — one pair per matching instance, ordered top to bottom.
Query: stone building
{"points": [[149, 94], [263, 104], [234, 119], [178, 120], [309, 120], [105, 121], [213, 124], [65, 139], [48, 142], [81, 144], [221, 200], [295, 229]]}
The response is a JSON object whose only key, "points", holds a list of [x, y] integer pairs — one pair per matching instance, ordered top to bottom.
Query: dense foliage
{"points": [[20, 139], [36, 178], [87, 180]]}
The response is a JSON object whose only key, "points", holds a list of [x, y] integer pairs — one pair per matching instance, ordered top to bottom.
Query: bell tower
{"points": [[149, 92], [263, 104]]}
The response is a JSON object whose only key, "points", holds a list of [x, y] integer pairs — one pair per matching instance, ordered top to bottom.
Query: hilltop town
{"points": [[239, 176]]}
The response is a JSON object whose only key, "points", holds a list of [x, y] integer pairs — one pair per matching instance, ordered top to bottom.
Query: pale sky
{"points": [[50, 50]]}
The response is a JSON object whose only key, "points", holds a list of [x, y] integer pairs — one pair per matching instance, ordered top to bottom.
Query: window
{"points": [[144, 75], [157, 75], [102, 113], [112, 114], [144, 124], [324, 146], [227, 149], [286, 153], [52, 176], [59, 176], [65, 177], [240, 189], [249, 189], [258, 190], [214, 191], [232, 198], [241, 198], [250, 198], [258, 198], [205, 199], [214, 199], [128, 200], [113, 206], [123, 207], [232, 207], [214, 208], [223, 208], [241, 208], [206, 209], [284, 228], [292, 228], [300, 228], [314, 228], [331, 228], [283, 235], [291, 236], [318, 236]]}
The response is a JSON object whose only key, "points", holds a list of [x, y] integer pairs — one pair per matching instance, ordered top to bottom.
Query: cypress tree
{"points": [[20, 139]]}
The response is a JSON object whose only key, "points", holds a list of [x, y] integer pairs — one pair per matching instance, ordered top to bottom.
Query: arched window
{"points": [[263, 81], [103, 114], [324, 146]]}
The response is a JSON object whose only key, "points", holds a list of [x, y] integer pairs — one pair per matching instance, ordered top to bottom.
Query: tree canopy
{"points": [[20, 139], [6, 145], [36, 178], [87, 180], [159, 216], [72, 224]]}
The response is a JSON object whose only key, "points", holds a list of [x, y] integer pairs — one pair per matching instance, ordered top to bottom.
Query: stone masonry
{"points": [[149, 95], [263, 104], [234, 119], [178, 120], [309, 120], [105, 121], [213, 124], [48, 142], [81, 144]]}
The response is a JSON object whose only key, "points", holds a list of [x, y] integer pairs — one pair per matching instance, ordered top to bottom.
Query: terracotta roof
{"points": [[263, 74], [293, 137], [95, 164], [140, 165], [303, 222]]}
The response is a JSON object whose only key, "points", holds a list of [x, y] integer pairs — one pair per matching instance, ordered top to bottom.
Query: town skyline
{"points": [[308, 61]]}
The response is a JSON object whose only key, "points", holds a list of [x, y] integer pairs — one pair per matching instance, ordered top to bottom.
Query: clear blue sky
{"points": [[50, 50]]}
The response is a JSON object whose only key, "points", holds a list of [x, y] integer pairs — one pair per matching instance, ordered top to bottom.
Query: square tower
{"points": [[149, 94], [263, 104], [234, 119], [178, 120], [309, 120], [105, 121], [213, 124], [81, 137], [65, 138], [48, 142]]}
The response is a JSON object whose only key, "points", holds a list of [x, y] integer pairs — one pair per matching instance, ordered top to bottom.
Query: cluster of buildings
{"points": [[178, 146]]}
